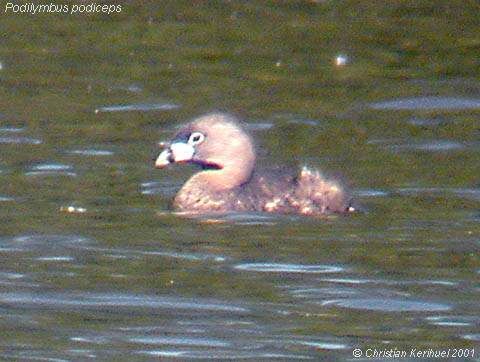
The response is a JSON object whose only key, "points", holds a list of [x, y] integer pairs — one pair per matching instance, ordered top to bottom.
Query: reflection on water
{"points": [[426, 103], [138, 107], [11, 129], [19, 140], [428, 146], [91, 152], [51, 169], [6, 199], [95, 264], [288, 268], [107, 301], [386, 305]]}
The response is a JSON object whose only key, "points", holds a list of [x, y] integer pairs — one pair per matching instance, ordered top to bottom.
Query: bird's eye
{"points": [[196, 138]]}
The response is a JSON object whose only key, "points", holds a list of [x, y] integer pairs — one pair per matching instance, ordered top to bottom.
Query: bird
{"points": [[229, 181]]}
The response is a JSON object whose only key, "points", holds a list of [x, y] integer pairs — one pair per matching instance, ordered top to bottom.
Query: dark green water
{"points": [[83, 102]]}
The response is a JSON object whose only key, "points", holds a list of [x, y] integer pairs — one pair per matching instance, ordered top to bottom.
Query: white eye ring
{"points": [[196, 138]]}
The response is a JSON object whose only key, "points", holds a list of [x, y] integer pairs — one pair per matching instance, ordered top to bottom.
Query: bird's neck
{"points": [[224, 179]]}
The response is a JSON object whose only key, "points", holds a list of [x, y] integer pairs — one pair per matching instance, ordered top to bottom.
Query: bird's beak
{"points": [[176, 152]]}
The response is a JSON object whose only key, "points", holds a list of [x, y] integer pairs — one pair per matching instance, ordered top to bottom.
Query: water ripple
{"points": [[427, 103], [143, 107], [262, 126], [11, 129], [20, 140], [426, 145], [91, 152], [51, 169], [158, 188], [370, 193], [469, 193], [43, 240], [125, 253], [55, 258], [289, 268], [107, 301], [388, 305], [453, 321], [472, 337], [181, 341], [324, 345], [222, 355]]}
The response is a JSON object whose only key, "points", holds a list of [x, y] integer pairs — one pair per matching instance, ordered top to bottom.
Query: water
{"points": [[428, 103], [138, 107], [96, 266]]}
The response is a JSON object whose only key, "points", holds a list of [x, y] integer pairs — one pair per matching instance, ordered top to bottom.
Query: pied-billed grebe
{"points": [[230, 182]]}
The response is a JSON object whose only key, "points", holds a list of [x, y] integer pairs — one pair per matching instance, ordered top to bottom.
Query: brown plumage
{"points": [[229, 180]]}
